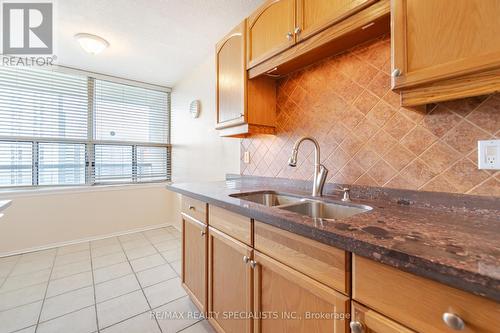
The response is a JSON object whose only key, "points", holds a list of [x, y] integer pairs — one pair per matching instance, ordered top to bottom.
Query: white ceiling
{"points": [[154, 41]]}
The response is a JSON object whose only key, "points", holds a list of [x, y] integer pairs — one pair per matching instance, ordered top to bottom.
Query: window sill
{"points": [[9, 193]]}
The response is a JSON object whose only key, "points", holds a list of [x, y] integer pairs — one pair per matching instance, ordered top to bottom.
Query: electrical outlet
{"points": [[488, 154], [246, 157]]}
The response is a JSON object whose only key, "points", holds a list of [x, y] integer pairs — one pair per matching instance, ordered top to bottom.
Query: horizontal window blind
{"points": [[42, 104], [128, 113], [66, 129], [16, 163], [152, 163], [61, 164], [113, 164]]}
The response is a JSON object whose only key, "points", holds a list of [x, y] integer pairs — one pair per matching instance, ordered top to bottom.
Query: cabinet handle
{"points": [[297, 30], [289, 35], [396, 72], [192, 207], [203, 233], [246, 259], [253, 263], [453, 321], [356, 327]]}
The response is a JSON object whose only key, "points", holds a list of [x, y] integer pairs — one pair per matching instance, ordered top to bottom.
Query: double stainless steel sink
{"points": [[314, 208]]}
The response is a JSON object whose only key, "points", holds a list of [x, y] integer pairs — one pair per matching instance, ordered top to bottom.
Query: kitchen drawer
{"points": [[195, 209], [232, 224], [321, 262], [419, 303], [373, 322]]}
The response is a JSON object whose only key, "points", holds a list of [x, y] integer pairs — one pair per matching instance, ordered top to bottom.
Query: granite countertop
{"points": [[4, 204], [450, 238]]}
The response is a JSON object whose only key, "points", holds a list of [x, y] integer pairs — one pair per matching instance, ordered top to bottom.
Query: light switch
{"points": [[488, 154], [246, 157]]}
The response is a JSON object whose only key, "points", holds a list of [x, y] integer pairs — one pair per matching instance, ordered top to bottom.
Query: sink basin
{"points": [[268, 198], [313, 208], [324, 210]]}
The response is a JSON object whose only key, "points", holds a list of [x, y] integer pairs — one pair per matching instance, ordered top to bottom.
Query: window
{"points": [[73, 129]]}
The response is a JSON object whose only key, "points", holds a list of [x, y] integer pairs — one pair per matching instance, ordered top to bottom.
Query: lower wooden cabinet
{"points": [[194, 260], [230, 284], [288, 301], [365, 320]]}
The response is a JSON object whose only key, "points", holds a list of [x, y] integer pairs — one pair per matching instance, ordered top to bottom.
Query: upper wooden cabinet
{"points": [[316, 15], [270, 30], [444, 42], [235, 115]]}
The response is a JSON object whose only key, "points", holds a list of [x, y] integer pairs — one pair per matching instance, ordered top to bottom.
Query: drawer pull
{"points": [[289, 35], [396, 72], [192, 207], [203, 233], [246, 259], [253, 263], [453, 321], [356, 327]]}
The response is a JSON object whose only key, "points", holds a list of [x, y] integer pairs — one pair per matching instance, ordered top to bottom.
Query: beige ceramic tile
{"points": [[104, 242], [105, 250], [140, 252], [172, 255], [72, 258], [108, 260], [147, 262], [177, 266], [70, 269], [111, 272], [155, 275], [25, 280], [72, 282], [116, 287], [164, 292], [22, 296], [67, 303], [120, 308], [177, 315], [20, 317], [82, 321], [142, 323], [200, 327]]}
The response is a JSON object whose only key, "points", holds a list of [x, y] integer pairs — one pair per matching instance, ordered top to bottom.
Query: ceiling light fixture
{"points": [[91, 43]]}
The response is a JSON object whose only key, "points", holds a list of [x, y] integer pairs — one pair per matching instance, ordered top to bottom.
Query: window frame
{"points": [[90, 143]]}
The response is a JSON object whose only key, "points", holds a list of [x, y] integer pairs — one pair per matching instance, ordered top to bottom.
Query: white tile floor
{"points": [[110, 285]]}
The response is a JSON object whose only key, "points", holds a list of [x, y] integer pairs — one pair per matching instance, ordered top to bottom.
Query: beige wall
{"points": [[199, 154], [45, 218]]}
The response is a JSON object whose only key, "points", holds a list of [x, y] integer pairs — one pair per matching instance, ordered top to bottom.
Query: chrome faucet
{"points": [[320, 171]]}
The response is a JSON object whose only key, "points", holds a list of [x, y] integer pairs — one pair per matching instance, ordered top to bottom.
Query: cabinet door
{"points": [[316, 15], [270, 30], [434, 40], [231, 78], [194, 260], [230, 283], [288, 301], [368, 321]]}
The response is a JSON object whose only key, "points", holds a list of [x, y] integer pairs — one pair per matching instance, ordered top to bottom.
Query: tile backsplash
{"points": [[366, 138]]}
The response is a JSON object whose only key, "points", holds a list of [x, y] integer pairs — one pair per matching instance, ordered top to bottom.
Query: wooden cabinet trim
{"points": [[252, 19], [304, 34], [325, 43], [429, 74], [194, 209], [232, 224], [244, 250], [324, 263], [328, 295], [199, 300], [419, 303], [374, 322]]}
